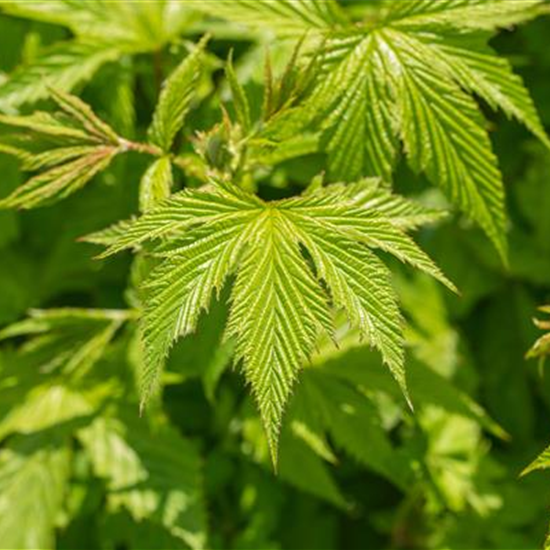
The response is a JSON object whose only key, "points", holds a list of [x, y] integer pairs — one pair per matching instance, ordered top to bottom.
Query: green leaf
{"points": [[469, 14], [284, 16], [130, 26], [63, 65], [479, 69], [408, 80], [175, 99], [240, 101], [417, 101], [444, 135], [67, 149], [155, 184], [372, 194], [279, 302], [68, 338], [541, 348], [426, 387], [44, 407], [353, 423], [542, 462], [306, 471], [153, 474], [33, 478]]}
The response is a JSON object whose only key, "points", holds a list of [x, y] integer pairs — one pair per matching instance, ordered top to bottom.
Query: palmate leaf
{"points": [[408, 81], [67, 149], [291, 258]]}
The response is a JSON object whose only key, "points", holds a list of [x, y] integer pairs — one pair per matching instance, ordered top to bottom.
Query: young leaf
{"points": [[175, 99], [240, 101], [67, 149], [155, 184], [279, 304], [541, 348], [542, 462]]}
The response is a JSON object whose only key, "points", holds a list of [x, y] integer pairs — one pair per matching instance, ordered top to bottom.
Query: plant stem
{"points": [[145, 148]]}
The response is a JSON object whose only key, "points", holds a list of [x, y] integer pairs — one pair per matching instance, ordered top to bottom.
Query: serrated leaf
{"points": [[469, 14], [285, 16], [478, 68], [408, 80], [175, 99], [240, 101], [439, 125], [443, 134], [67, 149], [60, 181], [156, 184], [373, 194], [172, 217], [279, 304], [353, 423], [542, 462]]}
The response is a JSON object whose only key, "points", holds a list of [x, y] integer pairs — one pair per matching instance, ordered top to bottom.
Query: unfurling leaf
{"points": [[175, 99], [156, 184], [541, 348]]}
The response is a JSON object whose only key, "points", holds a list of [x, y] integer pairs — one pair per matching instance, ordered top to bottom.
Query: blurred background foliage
{"points": [[80, 469]]}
